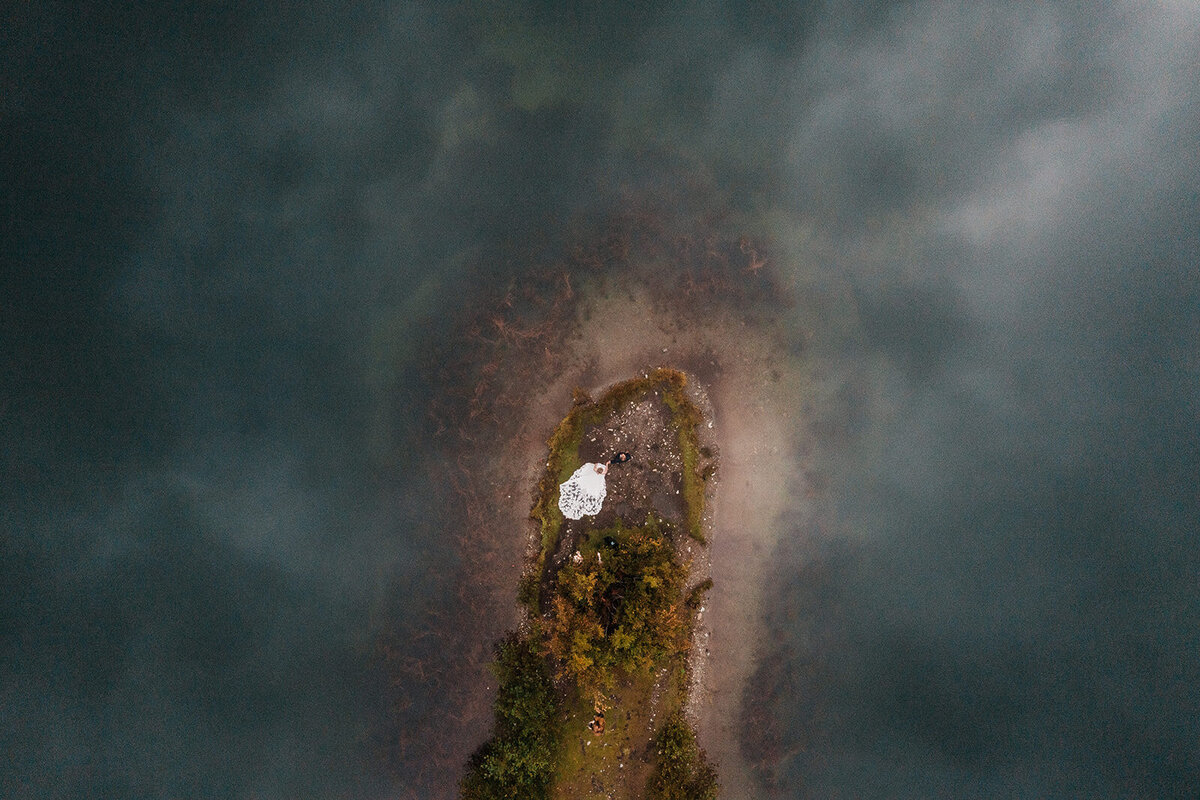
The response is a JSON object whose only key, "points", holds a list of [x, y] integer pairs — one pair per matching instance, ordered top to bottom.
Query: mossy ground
{"points": [[622, 761]]}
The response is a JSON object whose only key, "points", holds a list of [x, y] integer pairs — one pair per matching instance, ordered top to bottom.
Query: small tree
{"points": [[620, 611], [519, 759]]}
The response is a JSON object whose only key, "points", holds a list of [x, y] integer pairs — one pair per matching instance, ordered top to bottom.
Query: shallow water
{"points": [[254, 264]]}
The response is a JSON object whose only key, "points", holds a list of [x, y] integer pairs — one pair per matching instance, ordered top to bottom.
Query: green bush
{"points": [[620, 611], [520, 758], [683, 771]]}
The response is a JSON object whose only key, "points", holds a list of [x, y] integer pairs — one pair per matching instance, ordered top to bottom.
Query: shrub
{"points": [[528, 592], [696, 595], [619, 612], [520, 758], [683, 771]]}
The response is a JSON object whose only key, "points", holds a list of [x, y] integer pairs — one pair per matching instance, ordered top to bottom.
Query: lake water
{"points": [[254, 261]]}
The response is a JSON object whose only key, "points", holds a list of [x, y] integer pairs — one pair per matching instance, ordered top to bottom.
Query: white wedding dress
{"points": [[582, 493]]}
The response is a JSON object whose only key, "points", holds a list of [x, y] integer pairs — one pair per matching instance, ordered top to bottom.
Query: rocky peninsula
{"points": [[595, 696]]}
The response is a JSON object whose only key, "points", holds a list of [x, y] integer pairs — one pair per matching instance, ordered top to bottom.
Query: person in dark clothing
{"points": [[620, 458]]}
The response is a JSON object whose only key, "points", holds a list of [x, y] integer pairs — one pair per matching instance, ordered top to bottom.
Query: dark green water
{"points": [[231, 235]]}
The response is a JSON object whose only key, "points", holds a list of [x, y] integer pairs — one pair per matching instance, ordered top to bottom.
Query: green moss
{"points": [[687, 419]]}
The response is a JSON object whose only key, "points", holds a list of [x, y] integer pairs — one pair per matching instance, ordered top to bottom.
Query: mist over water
{"points": [[233, 239]]}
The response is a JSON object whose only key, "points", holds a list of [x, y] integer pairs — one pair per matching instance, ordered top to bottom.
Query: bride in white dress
{"points": [[583, 492]]}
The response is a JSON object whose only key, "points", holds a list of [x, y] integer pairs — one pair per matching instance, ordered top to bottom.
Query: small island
{"points": [[594, 685]]}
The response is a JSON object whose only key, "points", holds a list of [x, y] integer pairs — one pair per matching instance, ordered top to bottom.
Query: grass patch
{"points": [[687, 418], [587, 761]]}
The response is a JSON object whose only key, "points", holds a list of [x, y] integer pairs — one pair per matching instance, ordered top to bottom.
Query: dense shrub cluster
{"points": [[619, 608], [519, 759], [683, 772]]}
